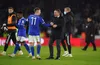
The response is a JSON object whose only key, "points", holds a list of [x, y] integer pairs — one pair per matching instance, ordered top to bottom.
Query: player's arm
{"points": [[27, 21], [43, 23], [16, 25]]}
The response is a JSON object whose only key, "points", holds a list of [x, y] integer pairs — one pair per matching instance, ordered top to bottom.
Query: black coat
{"points": [[68, 18], [90, 31], [57, 33]]}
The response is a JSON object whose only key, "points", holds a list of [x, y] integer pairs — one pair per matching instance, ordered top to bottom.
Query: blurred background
{"points": [[80, 8]]}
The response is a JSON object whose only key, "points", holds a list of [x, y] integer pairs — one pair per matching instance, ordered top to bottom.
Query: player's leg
{"points": [[14, 40], [22, 40], [51, 41], [32, 42], [6, 45], [69, 45], [38, 46], [86, 46], [94, 46], [16, 47], [27, 47], [64, 47], [58, 49], [15, 50]]}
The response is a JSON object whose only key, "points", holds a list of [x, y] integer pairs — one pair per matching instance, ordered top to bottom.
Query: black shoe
{"points": [[84, 49], [94, 50], [39, 58], [50, 58], [57, 58]]}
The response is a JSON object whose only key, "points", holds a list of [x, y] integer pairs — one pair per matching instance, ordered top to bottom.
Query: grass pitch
{"points": [[80, 57]]}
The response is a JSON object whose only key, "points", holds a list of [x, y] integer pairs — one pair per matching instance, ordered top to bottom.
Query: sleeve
{"points": [[14, 19], [67, 19], [43, 23], [17, 26], [92, 28]]}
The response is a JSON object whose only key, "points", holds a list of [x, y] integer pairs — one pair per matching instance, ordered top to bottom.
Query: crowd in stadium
{"points": [[81, 10]]}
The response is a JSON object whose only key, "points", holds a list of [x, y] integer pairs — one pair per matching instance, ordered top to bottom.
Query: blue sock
{"points": [[27, 47], [16, 48], [38, 49], [32, 50]]}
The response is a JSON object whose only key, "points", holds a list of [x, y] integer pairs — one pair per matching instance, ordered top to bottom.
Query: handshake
{"points": [[53, 25], [4, 27]]}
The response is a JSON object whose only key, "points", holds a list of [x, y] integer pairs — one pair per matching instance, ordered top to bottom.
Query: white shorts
{"points": [[21, 38], [34, 38]]}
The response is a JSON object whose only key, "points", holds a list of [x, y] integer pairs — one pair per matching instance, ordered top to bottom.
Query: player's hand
{"points": [[51, 23], [4, 25], [54, 26], [2, 28], [5, 29]]}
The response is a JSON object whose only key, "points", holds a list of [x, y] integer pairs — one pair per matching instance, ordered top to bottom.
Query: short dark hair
{"points": [[10, 8], [37, 8], [58, 10], [20, 12]]}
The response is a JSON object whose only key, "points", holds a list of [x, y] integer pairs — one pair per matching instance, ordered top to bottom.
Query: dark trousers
{"points": [[11, 35], [67, 38], [63, 44], [87, 44], [57, 45]]}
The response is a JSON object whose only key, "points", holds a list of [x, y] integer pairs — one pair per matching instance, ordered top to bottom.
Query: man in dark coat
{"points": [[68, 24], [57, 33], [90, 33]]}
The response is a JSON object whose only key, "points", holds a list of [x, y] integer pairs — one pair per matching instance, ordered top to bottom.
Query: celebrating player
{"points": [[34, 31], [21, 34]]}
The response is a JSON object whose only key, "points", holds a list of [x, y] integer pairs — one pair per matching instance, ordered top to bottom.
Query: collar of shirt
{"points": [[58, 16]]}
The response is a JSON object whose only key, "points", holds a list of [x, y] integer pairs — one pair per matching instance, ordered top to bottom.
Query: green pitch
{"points": [[80, 57]]}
